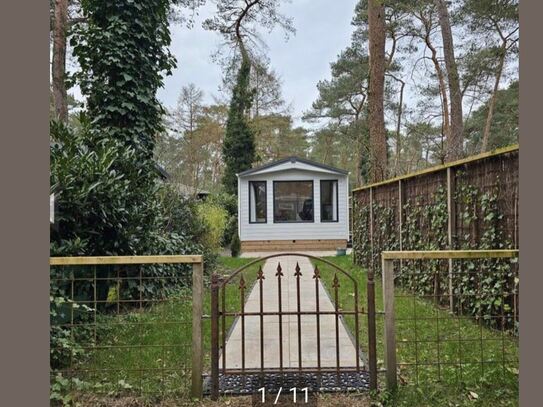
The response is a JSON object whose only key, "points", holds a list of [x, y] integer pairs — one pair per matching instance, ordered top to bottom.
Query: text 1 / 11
{"points": [[293, 390]]}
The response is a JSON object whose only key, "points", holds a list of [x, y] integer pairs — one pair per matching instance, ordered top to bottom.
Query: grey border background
{"points": [[24, 169], [24, 174], [531, 203]]}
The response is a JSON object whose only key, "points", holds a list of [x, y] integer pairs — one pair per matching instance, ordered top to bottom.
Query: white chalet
{"points": [[293, 204]]}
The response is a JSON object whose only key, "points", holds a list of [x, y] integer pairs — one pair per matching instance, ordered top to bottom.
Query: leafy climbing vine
{"points": [[486, 289]]}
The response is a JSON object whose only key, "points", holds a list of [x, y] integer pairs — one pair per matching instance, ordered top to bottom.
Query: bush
{"points": [[226, 201], [102, 202], [230, 204], [104, 210], [214, 217], [231, 228], [235, 245]]}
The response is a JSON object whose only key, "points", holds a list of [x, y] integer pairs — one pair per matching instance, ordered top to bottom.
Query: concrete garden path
{"points": [[290, 323]]}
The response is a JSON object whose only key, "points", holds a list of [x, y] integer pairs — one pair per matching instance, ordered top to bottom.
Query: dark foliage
{"points": [[123, 58], [504, 130], [239, 140], [235, 245]]}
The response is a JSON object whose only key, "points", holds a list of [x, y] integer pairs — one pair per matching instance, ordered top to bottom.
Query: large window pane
{"points": [[257, 201], [293, 201], [329, 204]]}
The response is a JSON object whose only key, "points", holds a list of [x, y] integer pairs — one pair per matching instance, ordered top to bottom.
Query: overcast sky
{"points": [[323, 29]]}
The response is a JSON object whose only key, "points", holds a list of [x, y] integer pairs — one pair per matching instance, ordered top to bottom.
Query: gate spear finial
{"points": [[279, 270], [297, 273], [317, 273], [260, 275], [335, 283]]}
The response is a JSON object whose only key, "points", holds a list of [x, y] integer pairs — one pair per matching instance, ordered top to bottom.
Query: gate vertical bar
{"points": [[279, 274], [298, 274], [316, 276], [335, 285], [261, 297], [242, 301], [222, 313], [390, 325], [356, 328], [215, 336], [372, 338], [197, 341]]}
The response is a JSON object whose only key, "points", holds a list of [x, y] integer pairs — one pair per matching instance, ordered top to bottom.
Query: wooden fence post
{"points": [[401, 200], [351, 224], [371, 228], [451, 229], [390, 325], [372, 336], [215, 337], [197, 340]]}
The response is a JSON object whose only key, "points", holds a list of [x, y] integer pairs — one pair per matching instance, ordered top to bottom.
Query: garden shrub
{"points": [[225, 200], [230, 204], [214, 217], [95, 219], [231, 228], [235, 245]]}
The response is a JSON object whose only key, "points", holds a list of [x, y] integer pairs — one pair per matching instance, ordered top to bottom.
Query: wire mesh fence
{"points": [[121, 329], [474, 342]]}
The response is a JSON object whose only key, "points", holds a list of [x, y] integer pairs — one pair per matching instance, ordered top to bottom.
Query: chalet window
{"points": [[293, 201], [329, 201], [257, 202]]}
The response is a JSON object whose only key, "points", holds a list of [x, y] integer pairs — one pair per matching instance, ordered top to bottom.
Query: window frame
{"points": [[312, 181], [337, 200], [265, 201]]}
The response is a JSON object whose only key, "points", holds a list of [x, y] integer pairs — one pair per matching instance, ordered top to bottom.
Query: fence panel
{"points": [[469, 204], [126, 326], [425, 343]]}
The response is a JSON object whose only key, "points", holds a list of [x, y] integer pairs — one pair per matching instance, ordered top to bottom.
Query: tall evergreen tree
{"points": [[239, 140]]}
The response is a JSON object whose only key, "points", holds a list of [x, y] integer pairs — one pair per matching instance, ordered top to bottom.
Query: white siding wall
{"points": [[288, 231]]}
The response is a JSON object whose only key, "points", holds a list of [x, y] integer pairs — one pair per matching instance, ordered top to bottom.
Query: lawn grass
{"points": [[160, 338], [148, 352], [461, 379]]}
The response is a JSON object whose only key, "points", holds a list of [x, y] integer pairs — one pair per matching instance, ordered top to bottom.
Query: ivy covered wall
{"points": [[413, 213]]}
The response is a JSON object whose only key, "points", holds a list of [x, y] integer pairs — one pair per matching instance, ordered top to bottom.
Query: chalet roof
{"points": [[293, 160]]}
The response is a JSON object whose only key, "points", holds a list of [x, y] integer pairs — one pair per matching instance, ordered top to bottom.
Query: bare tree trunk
{"points": [[59, 60], [442, 87], [488, 124], [398, 127], [455, 136], [378, 143]]}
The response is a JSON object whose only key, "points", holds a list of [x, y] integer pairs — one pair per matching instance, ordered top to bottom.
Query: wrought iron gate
{"points": [[254, 374]]}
